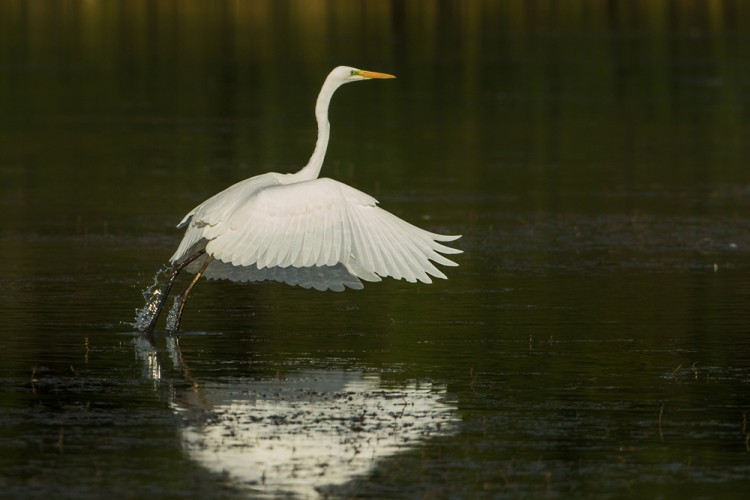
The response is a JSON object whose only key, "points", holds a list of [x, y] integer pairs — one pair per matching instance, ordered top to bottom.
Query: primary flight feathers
{"points": [[318, 223], [302, 230]]}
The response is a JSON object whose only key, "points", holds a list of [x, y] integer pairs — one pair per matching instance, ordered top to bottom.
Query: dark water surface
{"points": [[594, 342]]}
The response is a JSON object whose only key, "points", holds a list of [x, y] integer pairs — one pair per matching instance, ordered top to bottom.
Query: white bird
{"points": [[302, 230]]}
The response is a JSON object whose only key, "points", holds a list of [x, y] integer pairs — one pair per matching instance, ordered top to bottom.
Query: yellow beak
{"points": [[373, 74]]}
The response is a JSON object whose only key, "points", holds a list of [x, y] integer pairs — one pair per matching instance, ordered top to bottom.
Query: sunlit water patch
{"points": [[302, 434]]}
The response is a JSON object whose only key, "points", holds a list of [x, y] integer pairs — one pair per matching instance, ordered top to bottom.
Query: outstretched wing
{"points": [[325, 224], [336, 278]]}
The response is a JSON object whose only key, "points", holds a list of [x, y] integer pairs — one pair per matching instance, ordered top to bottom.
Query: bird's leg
{"points": [[165, 293], [184, 296]]}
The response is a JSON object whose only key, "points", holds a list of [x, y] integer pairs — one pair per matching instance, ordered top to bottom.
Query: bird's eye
{"points": [[353, 72]]}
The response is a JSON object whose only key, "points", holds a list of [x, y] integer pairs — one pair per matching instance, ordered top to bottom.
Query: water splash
{"points": [[152, 296], [173, 315]]}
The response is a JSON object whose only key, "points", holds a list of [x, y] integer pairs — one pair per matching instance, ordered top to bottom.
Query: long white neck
{"points": [[312, 169]]}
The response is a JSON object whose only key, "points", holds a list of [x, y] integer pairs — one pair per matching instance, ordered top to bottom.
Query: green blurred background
{"points": [[593, 154]]}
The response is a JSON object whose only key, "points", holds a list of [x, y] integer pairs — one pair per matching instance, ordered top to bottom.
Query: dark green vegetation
{"points": [[594, 342]]}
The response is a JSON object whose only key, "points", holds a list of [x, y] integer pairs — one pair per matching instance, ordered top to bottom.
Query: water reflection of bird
{"points": [[302, 230], [303, 434]]}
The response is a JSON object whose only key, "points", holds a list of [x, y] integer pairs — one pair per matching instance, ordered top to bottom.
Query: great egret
{"points": [[302, 230]]}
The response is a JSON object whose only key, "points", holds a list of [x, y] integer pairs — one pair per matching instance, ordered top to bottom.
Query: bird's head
{"points": [[346, 74]]}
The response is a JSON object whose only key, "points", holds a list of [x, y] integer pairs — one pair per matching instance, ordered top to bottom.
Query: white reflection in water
{"points": [[147, 354], [303, 433]]}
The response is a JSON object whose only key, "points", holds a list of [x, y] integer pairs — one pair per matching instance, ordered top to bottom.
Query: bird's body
{"points": [[304, 230], [306, 233]]}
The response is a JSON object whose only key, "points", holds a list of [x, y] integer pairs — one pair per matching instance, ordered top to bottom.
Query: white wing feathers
{"points": [[206, 221], [320, 224]]}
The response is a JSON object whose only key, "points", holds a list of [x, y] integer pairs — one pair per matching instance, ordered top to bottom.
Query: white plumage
{"points": [[302, 230], [280, 231]]}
